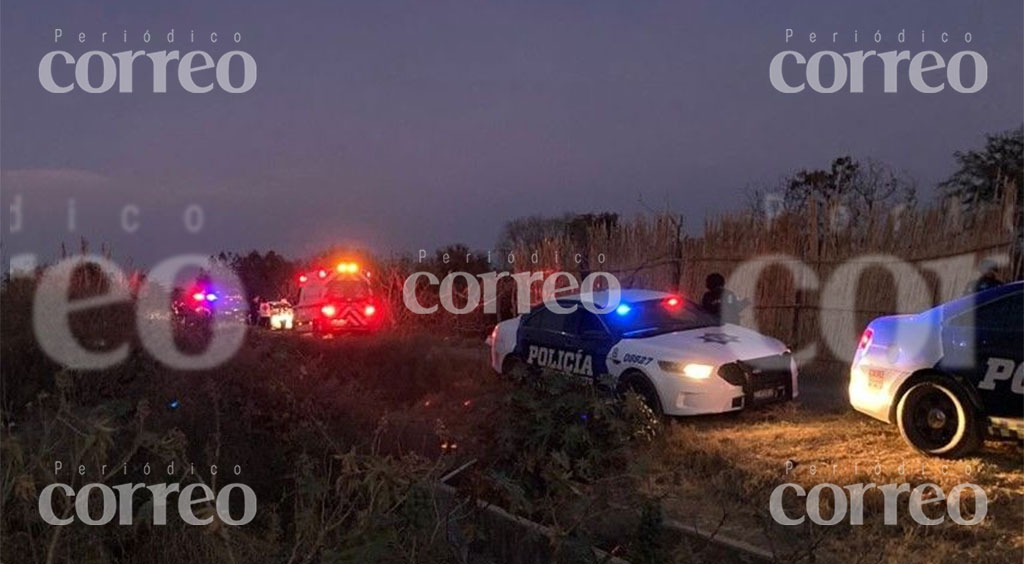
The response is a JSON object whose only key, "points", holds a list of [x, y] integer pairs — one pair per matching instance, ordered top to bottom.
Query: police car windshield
{"points": [[347, 289], [654, 317]]}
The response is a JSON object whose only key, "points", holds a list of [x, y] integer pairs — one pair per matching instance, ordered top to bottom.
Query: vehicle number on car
{"points": [[637, 359]]}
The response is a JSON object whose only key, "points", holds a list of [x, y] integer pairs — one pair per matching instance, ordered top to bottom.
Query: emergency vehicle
{"points": [[337, 300], [201, 302], [276, 315], [675, 355], [948, 375]]}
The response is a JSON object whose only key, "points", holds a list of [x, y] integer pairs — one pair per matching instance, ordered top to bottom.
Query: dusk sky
{"points": [[401, 125]]}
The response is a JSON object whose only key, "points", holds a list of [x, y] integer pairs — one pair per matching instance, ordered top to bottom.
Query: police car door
{"points": [[591, 338], [548, 342], [996, 367]]}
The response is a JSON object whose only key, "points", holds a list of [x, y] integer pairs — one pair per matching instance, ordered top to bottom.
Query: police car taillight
{"points": [[673, 302], [865, 339]]}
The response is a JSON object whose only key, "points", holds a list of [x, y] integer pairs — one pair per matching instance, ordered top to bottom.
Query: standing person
{"points": [[987, 279], [721, 302], [254, 311]]}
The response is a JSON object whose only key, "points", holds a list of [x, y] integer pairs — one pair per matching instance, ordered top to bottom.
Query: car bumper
{"points": [[872, 390], [684, 396]]}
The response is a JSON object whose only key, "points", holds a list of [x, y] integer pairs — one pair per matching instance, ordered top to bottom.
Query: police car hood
{"points": [[715, 344]]}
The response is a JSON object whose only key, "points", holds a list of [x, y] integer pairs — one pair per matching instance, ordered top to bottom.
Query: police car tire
{"points": [[512, 367], [643, 387], [968, 435]]}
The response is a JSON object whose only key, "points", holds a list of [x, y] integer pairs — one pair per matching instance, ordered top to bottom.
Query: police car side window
{"points": [[1005, 313], [547, 320], [588, 323]]}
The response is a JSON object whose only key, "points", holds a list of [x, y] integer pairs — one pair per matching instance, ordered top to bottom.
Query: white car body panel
{"points": [[900, 346], [679, 394]]}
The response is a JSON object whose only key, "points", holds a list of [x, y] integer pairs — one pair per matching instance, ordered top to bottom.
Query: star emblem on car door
{"points": [[720, 338]]}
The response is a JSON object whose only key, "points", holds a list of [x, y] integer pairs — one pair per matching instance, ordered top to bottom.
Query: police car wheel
{"points": [[514, 368], [641, 387], [936, 418]]}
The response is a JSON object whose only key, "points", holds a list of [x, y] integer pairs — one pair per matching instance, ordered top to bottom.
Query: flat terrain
{"points": [[285, 396], [716, 473]]}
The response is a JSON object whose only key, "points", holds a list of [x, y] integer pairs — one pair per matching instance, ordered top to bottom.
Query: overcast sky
{"points": [[406, 125]]}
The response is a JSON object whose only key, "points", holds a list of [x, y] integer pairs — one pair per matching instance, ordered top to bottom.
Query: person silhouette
{"points": [[987, 280], [720, 302]]}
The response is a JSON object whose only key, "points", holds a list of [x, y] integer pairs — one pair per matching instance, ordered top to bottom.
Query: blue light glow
{"points": [[211, 297], [622, 309]]}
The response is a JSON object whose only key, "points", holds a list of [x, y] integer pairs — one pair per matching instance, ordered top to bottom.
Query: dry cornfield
{"points": [[804, 276]]}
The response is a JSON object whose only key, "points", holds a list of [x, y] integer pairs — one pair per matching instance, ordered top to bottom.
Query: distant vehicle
{"points": [[337, 300], [202, 302], [276, 315], [676, 356], [948, 375]]}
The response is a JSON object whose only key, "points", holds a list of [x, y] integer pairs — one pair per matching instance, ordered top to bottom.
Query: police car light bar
{"points": [[198, 296], [623, 309]]}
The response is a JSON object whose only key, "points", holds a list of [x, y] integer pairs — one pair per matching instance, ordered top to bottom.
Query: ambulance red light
{"points": [[322, 273], [303, 279], [329, 310], [369, 310]]}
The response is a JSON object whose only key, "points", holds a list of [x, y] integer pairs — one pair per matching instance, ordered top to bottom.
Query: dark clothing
{"points": [[721, 304]]}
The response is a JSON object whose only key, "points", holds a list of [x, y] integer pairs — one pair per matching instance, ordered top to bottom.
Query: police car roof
{"points": [[629, 295], [961, 304]]}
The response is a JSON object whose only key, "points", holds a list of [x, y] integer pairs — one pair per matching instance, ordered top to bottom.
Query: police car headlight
{"points": [[690, 370]]}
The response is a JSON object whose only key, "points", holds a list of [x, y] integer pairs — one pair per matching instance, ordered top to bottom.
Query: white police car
{"points": [[668, 350], [947, 375]]}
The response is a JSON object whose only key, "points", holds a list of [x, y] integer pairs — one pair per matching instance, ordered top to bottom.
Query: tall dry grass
{"points": [[820, 271]]}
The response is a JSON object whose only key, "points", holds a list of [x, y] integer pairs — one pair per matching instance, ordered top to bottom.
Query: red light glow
{"points": [[329, 310], [369, 310], [865, 339]]}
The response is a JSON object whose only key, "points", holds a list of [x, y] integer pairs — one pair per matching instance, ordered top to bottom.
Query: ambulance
{"points": [[337, 300], [677, 357], [948, 376]]}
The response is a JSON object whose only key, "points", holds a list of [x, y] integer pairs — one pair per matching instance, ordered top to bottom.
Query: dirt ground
{"points": [[716, 474]]}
